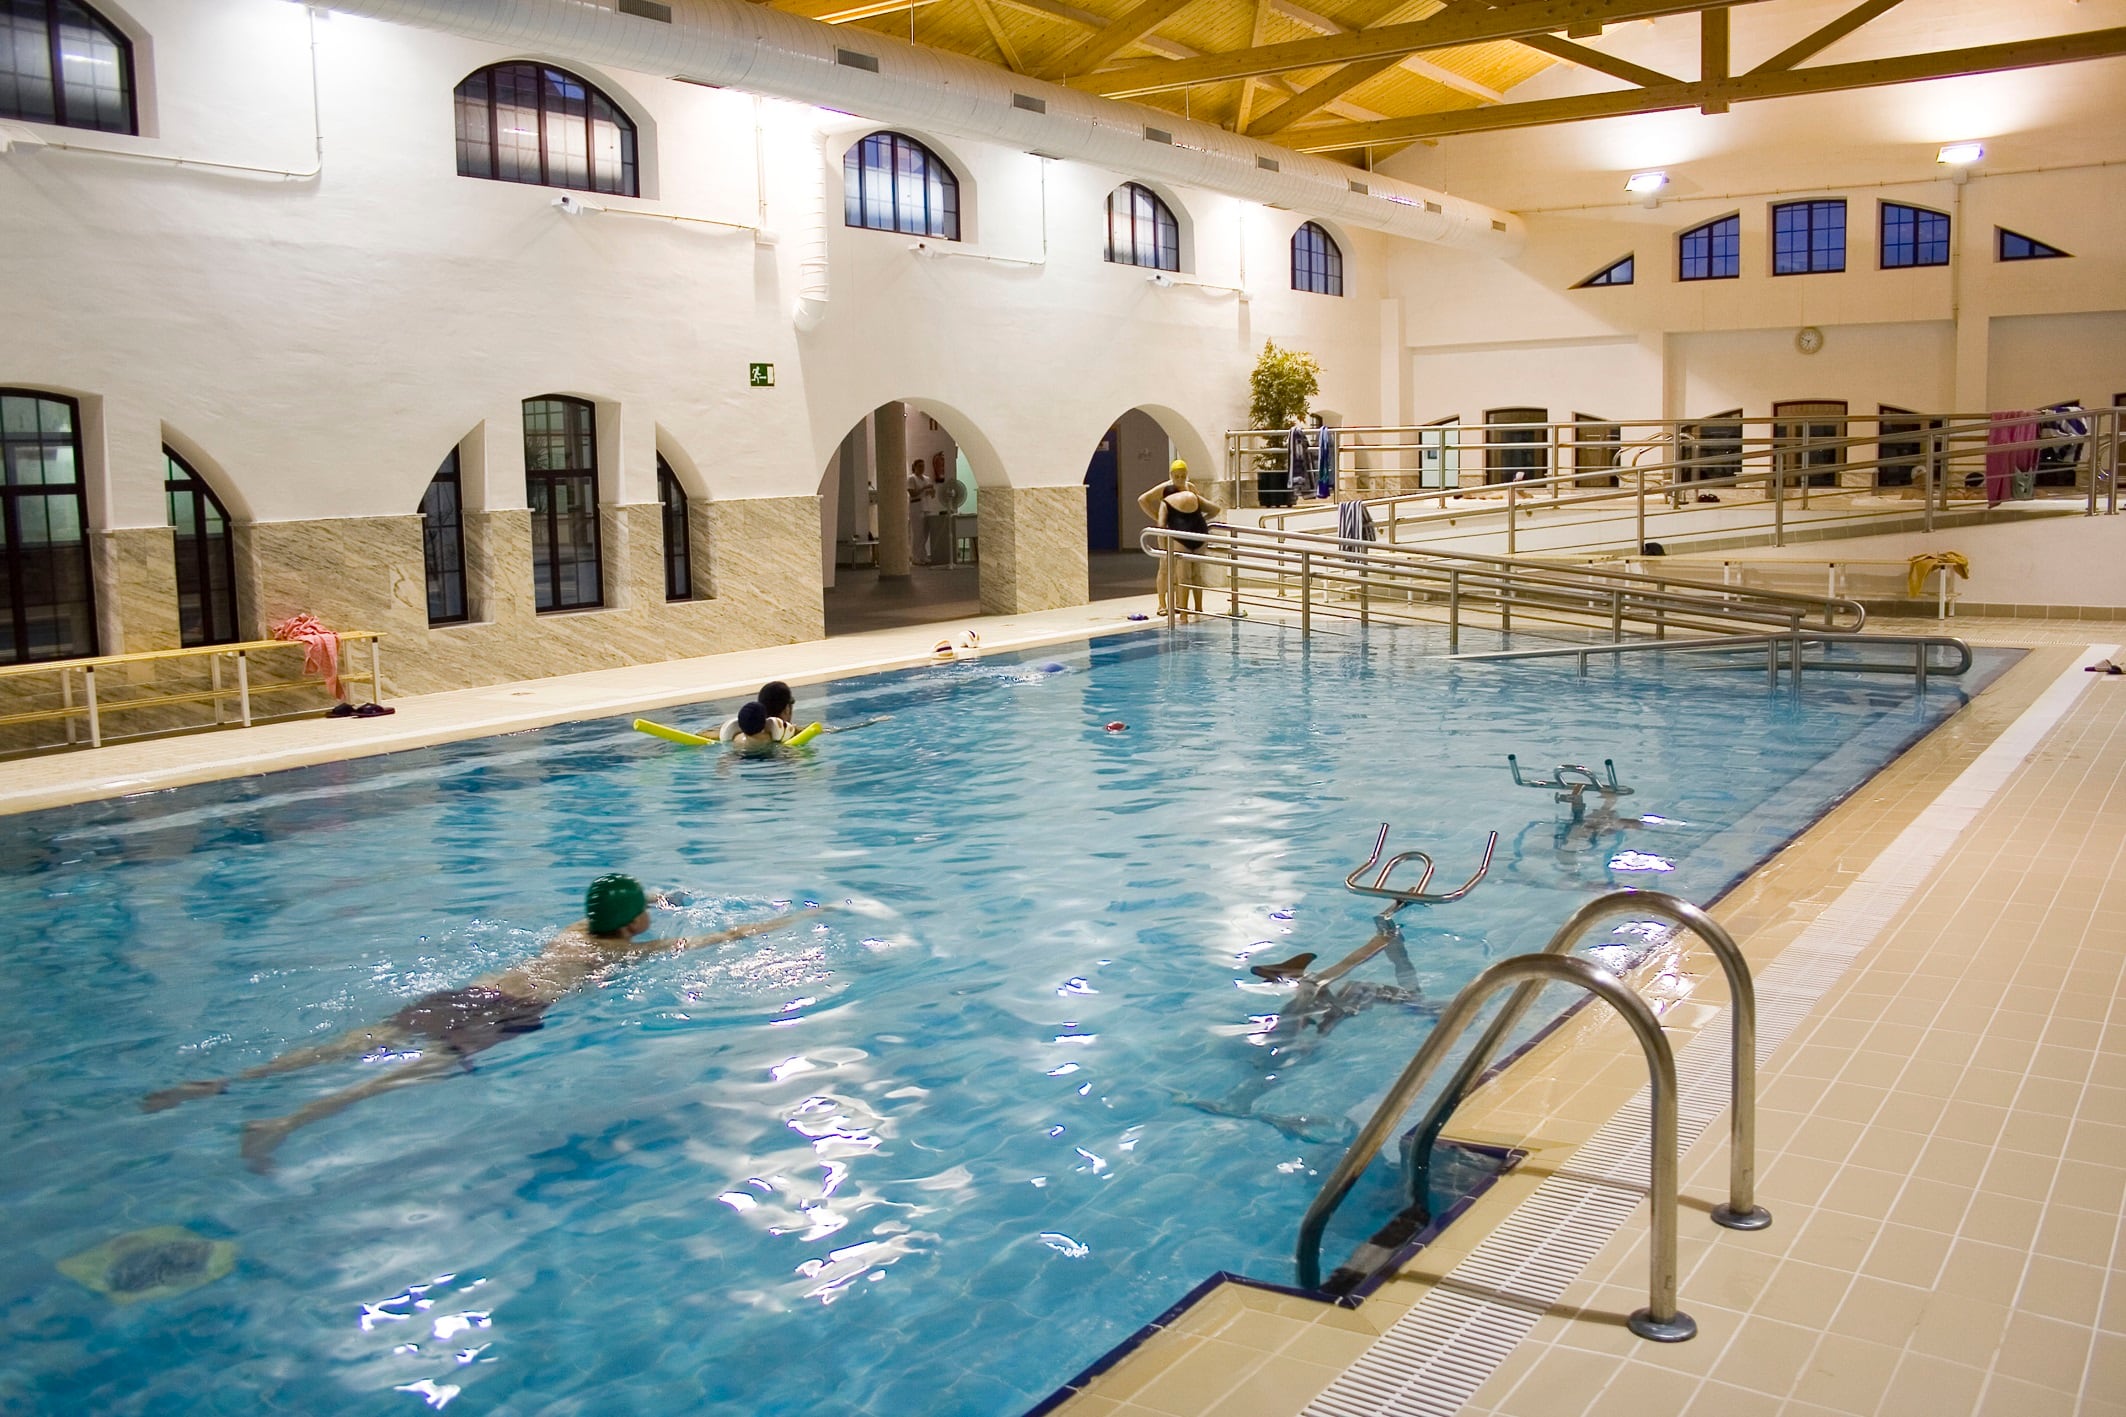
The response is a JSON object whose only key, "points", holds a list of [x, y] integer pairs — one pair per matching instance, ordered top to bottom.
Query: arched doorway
{"points": [[1131, 457], [906, 561]]}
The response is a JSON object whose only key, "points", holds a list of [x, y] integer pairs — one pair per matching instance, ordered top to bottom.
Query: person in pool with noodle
{"points": [[445, 1029]]}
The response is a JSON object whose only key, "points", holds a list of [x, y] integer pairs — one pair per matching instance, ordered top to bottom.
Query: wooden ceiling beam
{"points": [[1126, 29], [1450, 29], [1000, 36], [1819, 40], [1596, 60], [1423, 68], [1828, 78], [1318, 96]]}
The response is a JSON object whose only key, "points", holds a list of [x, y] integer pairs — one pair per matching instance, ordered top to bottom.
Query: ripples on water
{"points": [[931, 1152]]}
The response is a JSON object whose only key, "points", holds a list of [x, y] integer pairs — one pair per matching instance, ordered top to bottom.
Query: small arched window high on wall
{"points": [[61, 62], [534, 123], [891, 182], [1141, 230], [1711, 252], [1317, 261], [561, 483], [443, 544], [678, 555], [206, 557], [47, 604]]}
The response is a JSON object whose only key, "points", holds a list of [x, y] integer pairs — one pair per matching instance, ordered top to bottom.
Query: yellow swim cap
{"points": [[1179, 466]]}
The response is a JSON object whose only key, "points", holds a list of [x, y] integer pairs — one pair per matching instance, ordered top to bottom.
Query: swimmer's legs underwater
{"points": [[355, 1043], [262, 1139]]}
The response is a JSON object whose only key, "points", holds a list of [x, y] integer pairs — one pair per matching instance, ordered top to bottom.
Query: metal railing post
{"points": [[1779, 501], [1512, 502], [1639, 547], [1232, 572], [1306, 592], [1454, 611], [376, 670], [214, 682], [88, 684], [243, 686], [66, 702]]}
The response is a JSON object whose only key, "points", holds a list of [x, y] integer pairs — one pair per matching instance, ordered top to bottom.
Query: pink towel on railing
{"points": [[2003, 459], [321, 647]]}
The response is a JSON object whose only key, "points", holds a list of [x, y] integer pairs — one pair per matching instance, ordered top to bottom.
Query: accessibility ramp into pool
{"points": [[1323, 582]]}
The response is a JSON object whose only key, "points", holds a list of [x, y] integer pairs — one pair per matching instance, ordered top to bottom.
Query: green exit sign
{"points": [[761, 376]]}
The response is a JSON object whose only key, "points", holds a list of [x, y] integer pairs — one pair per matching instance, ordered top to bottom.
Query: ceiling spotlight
{"points": [[1960, 154], [1646, 183]]}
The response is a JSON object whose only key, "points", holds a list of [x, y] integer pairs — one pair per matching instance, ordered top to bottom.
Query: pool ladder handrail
{"points": [[1574, 779], [1416, 895], [1551, 964]]}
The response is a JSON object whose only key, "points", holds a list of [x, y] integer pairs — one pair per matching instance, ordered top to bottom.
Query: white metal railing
{"points": [[1628, 479]]}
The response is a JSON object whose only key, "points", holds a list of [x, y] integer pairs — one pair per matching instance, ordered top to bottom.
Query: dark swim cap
{"points": [[776, 698], [752, 718], [611, 902]]}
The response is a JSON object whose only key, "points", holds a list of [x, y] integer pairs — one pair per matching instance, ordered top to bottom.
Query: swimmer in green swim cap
{"points": [[445, 1029]]}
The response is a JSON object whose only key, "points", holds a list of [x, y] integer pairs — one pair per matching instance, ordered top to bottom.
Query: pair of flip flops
{"points": [[2104, 666], [347, 710]]}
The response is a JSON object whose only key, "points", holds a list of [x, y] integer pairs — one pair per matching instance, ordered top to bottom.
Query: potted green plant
{"points": [[1278, 390]]}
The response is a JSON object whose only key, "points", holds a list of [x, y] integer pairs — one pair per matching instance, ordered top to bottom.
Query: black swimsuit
{"points": [[472, 1019]]}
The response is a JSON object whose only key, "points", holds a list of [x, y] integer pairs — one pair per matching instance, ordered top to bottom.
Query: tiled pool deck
{"points": [[1942, 1134]]}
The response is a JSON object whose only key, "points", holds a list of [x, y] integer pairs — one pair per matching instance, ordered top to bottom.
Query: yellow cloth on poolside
{"points": [[1927, 563]]}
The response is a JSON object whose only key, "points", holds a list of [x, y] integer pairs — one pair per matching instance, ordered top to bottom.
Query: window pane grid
{"points": [[61, 62], [536, 124], [891, 182], [1141, 230], [1913, 236], [1808, 237], [1712, 251], [1317, 264], [561, 477], [443, 544], [206, 557], [678, 558], [47, 606]]}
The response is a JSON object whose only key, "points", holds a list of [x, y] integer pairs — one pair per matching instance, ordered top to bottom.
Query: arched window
{"points": [[61, 62], [538, 124], [891, 182], [1141, 230], [1808, 237], [1711, 252], [1317, 263], [561, 482], [443, 544], [678, 556], [206, 557], [50, 610]]}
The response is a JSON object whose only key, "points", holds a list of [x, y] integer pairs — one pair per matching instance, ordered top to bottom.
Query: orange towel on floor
{"points": [[1928, 562], [321, 648]]}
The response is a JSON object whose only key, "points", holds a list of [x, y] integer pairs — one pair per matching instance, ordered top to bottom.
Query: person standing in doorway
{"points": [[921, 502]]}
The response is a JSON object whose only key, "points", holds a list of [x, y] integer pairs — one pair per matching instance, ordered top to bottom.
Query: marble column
{"points": [[890, 449], [1032, 548], [136, 589]]}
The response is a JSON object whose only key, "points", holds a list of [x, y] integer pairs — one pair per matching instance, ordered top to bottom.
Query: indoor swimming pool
{"points": [[933, 1151]]}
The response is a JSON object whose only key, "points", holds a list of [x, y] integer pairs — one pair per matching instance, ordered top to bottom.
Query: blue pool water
{"points": [[931, 1153]]}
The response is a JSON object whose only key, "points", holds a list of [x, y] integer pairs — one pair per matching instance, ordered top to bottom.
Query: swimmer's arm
{"points": [[1149, 502], [1211, 510], [723, 937]]}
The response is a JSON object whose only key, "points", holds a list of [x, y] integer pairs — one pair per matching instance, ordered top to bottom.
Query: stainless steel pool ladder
{"points": [[1572, 781], [1660, 1320]]}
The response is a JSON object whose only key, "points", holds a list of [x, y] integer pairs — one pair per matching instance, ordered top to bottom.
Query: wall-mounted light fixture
{"points": [[1958, 158], [1647, 186]]}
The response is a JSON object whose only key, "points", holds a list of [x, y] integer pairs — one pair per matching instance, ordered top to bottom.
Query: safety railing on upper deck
{"points": [[1629, 482], [1327, 578]]}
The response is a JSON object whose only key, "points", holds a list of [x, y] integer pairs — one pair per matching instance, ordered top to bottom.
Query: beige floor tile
{"points": [[1847, 1374], [1924, 1386], [1640, 1389]]}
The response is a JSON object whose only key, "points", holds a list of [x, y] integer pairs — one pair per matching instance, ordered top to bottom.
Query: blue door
{"points": [[1103, 498]]}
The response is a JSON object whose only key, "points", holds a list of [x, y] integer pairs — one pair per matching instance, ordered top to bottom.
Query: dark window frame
{"points": [[56, 57], [477, 114], [906, 160], [1145, 206], [1802, 241], [1911, 248], [2035, 250], [1721, 258], [1318, 269], [1608, 275], [1799, 424], [1901, 445], [1711, 448], [1597, 451], [1506, 454], [546, 488], [678, 534], [443, 544], [15, 574], [213, 618]]}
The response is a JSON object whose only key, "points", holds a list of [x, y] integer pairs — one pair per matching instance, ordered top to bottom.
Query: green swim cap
{"points": [[612, 901]]}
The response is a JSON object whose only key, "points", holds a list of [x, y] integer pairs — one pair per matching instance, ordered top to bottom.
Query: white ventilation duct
{"points": [[749, 47]]}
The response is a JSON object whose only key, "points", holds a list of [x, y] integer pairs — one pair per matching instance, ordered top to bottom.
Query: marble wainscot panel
{"points": [[1032, 548]]}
